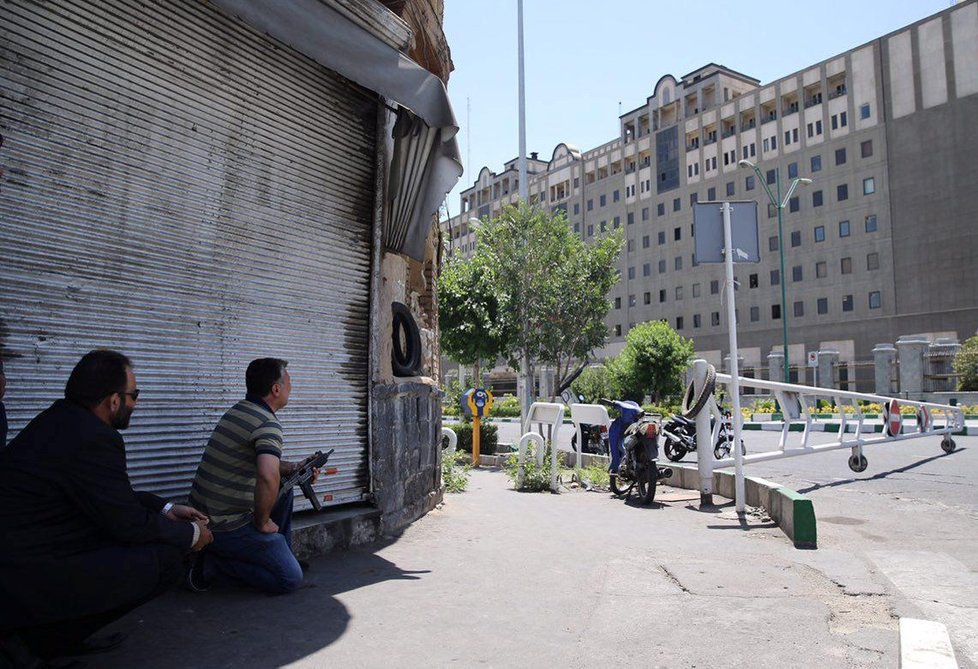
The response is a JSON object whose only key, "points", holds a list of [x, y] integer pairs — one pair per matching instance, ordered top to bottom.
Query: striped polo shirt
{"points": [[224, 487]]}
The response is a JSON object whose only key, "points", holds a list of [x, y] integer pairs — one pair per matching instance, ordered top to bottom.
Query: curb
{"points": [[925, 644]]}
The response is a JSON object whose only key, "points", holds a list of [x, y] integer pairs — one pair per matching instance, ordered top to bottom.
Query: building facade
{"points": [[881, 243]]}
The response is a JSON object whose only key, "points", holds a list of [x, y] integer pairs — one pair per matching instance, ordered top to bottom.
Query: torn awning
{"points": [[426, 163]]}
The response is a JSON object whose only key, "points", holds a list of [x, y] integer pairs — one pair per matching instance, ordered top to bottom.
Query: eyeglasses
{"points": [[133, 394]]}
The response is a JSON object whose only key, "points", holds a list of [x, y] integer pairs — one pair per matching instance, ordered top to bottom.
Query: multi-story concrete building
{"points": [[883, 243]]}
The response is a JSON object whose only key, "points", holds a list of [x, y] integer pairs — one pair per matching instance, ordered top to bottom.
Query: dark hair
{"points": [[264, 373], [96, 376]]}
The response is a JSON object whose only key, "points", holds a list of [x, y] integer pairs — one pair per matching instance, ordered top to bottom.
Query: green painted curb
{"points": [[803, 531]]}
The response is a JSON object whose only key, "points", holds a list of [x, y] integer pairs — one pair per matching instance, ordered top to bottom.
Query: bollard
{"points": [[704, 447]]}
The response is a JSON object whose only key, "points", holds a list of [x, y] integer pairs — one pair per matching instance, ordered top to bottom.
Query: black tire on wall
{"points": [[406, 349]]}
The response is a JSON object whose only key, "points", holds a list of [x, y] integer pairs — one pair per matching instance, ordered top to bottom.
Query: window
{"points": [[864, 111], [843, 119], [835, 121], [866, 148], [840, 156], [816, 163], [792, 170], [771, 176], [749, 182], [869, 186], [730, 188], [842, 192], [711, 193], [614, 197], [693, 198], [817, 198], [602, 200], [676, 204], [590, 205], [794, 205], [577, 208], [660, 209], [772, 210], [645, 213], [631, 217], [617, 223], [871, 223], [604, 226], [577, 227], [843, 228], [590, 229], [819, 233], [677, 234], [661, 237], [795, 238], [646, 242], [772, 244], [631, 246], [872, 261], [678, 263], [846, 264], [662, 266], [647, 269], [821, 269], [631, 273], [796, 273], [775, 277], [752, 281], [714, 287], [696, 290], [679, 292], [662, 295], [647, 298], [631, 300], [875, 300], [617, 303], [847, 303], [822, 305], [799, 309], [776, 312], [755, 314], [715, 318], [696, 320], [679, 322], [617, 330]]}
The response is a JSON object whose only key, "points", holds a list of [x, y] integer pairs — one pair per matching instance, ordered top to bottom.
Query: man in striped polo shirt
{"points": [[237, 484]]}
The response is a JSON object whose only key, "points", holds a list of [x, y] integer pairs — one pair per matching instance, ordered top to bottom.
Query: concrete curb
{"points": [[793, 512], [925, 644]]}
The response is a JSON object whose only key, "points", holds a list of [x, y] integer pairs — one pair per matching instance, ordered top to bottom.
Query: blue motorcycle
{"points": [[634, 442]]}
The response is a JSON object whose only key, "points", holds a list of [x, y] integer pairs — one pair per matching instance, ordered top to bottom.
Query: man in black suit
{"points": [[78, 547]]}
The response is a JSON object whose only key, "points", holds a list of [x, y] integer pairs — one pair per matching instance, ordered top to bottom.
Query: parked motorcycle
{"points": [[679, 435], [595, 437], [634, 442]]}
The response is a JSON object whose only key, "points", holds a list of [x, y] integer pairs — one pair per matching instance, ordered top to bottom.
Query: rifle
{"points": [[302, 477]]}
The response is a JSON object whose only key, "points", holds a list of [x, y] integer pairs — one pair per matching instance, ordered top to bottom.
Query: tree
{"points": [[554, 285], [471, 312], [651, 363], [966, 364], [593, 383]]}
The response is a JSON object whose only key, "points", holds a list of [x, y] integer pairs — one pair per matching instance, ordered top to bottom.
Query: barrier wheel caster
{"points": [[948, 445], [858, 463]]}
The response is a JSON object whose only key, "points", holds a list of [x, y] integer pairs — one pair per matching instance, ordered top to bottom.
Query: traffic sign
{"points": [[708, 232], [813, 358], [892, 420]]}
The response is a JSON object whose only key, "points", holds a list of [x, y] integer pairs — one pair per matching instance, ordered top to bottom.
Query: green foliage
{"points": [[555, 286], [471, 310], [651, 363], [966, 364], [594, 383], [450, 402], [507, 406], [763, 406], [664, 410], [488, 437], [455, 472], [595, 475], [535, 477]]}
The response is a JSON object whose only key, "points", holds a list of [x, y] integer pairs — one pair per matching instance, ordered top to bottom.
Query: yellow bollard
{"points": [[476, 434]]}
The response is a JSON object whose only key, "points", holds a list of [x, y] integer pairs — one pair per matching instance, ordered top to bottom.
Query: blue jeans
{"points": [[248, 557]]}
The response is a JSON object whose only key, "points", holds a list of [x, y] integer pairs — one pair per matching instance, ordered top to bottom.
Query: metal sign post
{"points": [[734, 365]]}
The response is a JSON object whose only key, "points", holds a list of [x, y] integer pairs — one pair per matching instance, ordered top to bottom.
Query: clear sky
{"points": [[585, 57]]}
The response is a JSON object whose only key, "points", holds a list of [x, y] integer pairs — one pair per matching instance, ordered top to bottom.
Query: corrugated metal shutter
{"points": [[180, 188]]}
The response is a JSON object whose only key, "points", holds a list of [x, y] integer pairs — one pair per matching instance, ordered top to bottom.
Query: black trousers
{"points": [[59, 603]]}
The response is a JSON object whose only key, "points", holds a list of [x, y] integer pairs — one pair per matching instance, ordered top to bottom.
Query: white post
{"points": [[524, 185], [734, 366], [704, 436]]}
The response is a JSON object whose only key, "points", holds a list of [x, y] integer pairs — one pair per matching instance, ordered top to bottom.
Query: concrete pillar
{"points": [[911, 353], [884, 357], [828, 359], [740, 364], [940, 365], [775, 366], [546, 382]]}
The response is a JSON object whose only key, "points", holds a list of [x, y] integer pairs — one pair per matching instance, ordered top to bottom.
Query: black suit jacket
{"points": [[64, 490]]}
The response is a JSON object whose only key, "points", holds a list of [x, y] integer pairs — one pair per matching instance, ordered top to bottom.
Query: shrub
{"points": [[966, 364], [593, 383], [506, 406], [763, 406], [488, 437], [454, 472], [593, 475], [535, 477]]}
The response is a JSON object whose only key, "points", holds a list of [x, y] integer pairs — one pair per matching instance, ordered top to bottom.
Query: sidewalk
{"points": [[506, 579]]}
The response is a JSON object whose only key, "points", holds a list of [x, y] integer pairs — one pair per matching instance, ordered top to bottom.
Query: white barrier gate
{"points": [[798, 404], [546, 415]]}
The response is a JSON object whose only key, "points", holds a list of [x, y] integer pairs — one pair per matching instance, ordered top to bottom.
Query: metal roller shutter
{"points": [[180, 188]]}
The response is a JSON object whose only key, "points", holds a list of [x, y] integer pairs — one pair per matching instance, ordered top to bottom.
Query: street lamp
{"points": [[779, 204]]}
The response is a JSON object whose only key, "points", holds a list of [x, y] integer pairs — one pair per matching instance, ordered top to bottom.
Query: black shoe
{"points": [[194, 580], [98, 644]]}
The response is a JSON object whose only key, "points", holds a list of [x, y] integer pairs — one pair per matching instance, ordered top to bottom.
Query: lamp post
{"points": [[779, 204]]}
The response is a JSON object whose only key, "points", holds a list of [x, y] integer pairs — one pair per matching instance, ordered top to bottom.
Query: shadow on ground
{"points": [[235, 628]]}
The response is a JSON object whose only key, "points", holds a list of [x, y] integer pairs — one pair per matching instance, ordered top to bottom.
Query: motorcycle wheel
{"points": [[722, 449], [674, 451], [646, 483], [621, 491]]}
